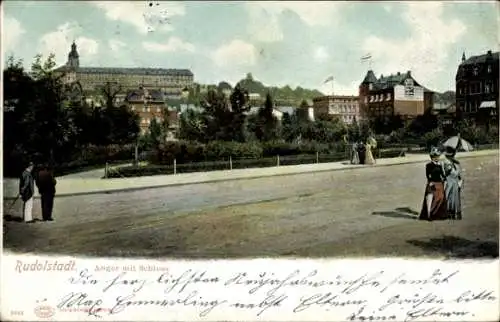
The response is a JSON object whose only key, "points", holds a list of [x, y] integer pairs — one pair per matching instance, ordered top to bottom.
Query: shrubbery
{"points": [[186, 152]]}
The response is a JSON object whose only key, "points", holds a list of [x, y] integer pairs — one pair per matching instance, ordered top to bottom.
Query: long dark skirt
{"points": [[438, 206]]}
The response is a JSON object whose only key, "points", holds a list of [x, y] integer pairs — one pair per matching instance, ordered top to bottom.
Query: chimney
{"points": [[489, 52], [399, 73], [408, 73]]}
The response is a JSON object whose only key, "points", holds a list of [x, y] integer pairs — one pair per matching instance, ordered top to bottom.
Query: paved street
{"points": [[367, 211]]}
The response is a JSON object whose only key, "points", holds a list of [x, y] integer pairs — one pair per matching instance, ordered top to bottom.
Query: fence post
{"points": [[136, 155], [317, 157], [278, 160], [230, 163], [175, 166], [106, 170]]}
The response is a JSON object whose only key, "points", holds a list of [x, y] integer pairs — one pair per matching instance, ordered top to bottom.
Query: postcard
{"points": [[250, 161]]}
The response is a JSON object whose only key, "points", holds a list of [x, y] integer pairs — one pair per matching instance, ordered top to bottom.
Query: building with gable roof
{"points": [[477, 87], [388, 96], [149, 105]]}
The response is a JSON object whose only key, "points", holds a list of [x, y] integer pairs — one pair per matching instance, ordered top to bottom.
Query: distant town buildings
{"points": [[171, 82], [477, 87], [398, 94], [345, 108], [446, 114]]}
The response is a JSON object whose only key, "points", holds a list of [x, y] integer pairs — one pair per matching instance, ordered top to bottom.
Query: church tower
{"points": [[73, 57]]}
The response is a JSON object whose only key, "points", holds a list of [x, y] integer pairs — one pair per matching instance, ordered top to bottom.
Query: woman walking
{"points": [[370, 144], [354, 154], [453, 185], [434, 205]]}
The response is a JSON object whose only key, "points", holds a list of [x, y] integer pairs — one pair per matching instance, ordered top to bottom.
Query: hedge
{"points": [[185, 152], [87, 158], [136, 171]]}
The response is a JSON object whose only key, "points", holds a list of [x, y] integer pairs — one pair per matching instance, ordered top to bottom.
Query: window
{"points": [[489, 69], [475, 71], [408, 82], [474, 88], [388, 97], [366, 99], [158, 109]]}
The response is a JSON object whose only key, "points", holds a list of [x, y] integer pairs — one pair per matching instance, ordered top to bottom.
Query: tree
{"points": [[110, 91], [239, 107], [303, 112], [216, 117], [225, 120], [267, 123], [192, 126], [290, 127], [39, 128], [354, 131]]}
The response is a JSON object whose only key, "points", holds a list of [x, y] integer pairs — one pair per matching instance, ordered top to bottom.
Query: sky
{"points": [[281, 43]]}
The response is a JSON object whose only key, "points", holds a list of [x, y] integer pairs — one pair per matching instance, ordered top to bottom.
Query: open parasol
{"points": [[457, 143]]}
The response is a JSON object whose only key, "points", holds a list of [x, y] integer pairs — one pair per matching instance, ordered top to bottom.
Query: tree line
{"points": [[44, 123]]}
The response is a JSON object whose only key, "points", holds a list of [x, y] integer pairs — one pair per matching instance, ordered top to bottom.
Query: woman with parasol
{"points": [[453, 172], [434, 206]]}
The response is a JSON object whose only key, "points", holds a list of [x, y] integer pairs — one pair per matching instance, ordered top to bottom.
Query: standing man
{"points": [[361, 152], [46, 184], [26, 191]]}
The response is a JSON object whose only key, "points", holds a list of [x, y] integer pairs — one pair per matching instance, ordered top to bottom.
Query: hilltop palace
{"points": [[88, 80]]}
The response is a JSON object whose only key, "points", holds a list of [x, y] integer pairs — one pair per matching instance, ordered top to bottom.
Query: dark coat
{"points": [[434, 172], [46, 182], [26, 186]]}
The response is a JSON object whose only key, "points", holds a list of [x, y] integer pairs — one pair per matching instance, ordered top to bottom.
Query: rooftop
{"points": [[482, 58], [130, 71], [385, 82], [138, 96], [320, 98]]}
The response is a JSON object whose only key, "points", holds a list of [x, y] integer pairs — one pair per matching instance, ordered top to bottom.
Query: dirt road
{"points": [[362, 212]]}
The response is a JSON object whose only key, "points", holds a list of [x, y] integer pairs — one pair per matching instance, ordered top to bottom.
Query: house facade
{"points": [[477, 88], [387, 96], [149, 105], [345, 108]]}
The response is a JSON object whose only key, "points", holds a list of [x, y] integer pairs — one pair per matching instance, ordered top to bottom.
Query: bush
{"points": [[308, 147], [223, 150]]}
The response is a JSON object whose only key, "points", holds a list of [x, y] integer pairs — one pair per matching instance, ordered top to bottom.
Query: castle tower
{"points": [[463, 56], [73, 57], [364, 92]]}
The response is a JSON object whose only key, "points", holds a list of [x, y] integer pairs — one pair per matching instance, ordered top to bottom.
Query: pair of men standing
{"points": [[46, 184]]}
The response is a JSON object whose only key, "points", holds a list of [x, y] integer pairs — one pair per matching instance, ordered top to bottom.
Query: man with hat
{"points": [[47, 188], [26, 191]]}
